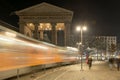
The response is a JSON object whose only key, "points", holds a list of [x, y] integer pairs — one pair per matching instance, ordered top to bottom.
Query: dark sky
{"points": [[101, 16]]}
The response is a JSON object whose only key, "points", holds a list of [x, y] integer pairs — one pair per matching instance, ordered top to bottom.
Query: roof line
{"points": [[39, 5]]}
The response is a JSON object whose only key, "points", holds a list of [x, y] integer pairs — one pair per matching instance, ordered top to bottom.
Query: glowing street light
{"points": [[81, 29]]}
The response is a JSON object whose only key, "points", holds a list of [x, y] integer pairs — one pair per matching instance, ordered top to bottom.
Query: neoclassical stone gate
{"points": [[46, 21]]}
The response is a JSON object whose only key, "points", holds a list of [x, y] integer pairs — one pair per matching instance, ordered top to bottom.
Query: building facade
{"points": [[46, 22], [110, 42]]}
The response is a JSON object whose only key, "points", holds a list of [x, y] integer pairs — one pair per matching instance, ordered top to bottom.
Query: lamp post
{"points": [[81, 29]]}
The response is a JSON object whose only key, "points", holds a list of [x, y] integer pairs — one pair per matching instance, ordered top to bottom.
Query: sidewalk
{"points": [[99, 71]]}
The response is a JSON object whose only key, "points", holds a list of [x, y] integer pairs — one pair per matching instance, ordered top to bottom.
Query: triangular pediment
{"points": [[42, 9]]}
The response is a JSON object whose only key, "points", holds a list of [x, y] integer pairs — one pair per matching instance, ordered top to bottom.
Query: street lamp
{"points": [[81, 29]]}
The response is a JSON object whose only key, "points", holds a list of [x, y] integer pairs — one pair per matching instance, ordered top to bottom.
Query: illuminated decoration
{"points": [[30, 26], [45, 26], [60, 26], [28, 29]]}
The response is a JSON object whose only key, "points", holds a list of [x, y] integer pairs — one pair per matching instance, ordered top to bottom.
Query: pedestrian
{"points": [[87, 59], [111, 60], [90, 62], [118, 63]]}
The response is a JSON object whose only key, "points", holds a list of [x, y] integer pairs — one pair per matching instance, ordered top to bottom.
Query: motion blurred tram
{"points": [[19, 52]]}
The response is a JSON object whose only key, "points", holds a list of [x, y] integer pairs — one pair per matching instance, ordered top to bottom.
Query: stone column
{"points": [[21, 27], [65, 28], [67, 33], [41, 34], [54, 34], [36, 36], [56, 41]]}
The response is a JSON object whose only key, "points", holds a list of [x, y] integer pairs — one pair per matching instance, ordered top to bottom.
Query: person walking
{"points": [[111, 60], [90, 62], [118, 63]]}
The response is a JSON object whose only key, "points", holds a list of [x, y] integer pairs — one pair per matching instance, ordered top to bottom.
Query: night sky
{"points": [[102, 17]]}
